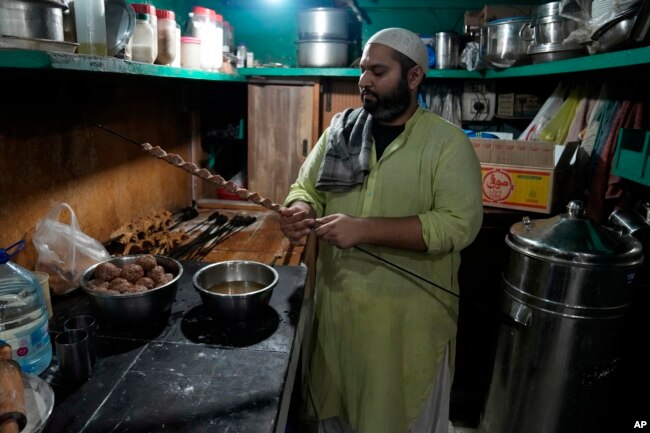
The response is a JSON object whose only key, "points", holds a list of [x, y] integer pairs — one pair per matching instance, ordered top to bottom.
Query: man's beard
{"points": [[391, 105]]}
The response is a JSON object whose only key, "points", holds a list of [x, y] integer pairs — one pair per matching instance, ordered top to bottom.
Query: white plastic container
{"points": [[90, 23], [202, 25], [166, 36], [144, 40], [177, 40], [190, 52], [218, 52], [241, 55], [23, 316]]}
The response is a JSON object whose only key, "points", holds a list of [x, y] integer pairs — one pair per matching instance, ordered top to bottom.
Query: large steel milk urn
{"points": [[567, 286]]}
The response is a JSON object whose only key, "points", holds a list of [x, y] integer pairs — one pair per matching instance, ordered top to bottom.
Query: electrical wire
{"points": [[406, 271]]}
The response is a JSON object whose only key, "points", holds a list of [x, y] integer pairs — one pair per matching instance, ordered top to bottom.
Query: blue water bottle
{"points": [[23, 314]]}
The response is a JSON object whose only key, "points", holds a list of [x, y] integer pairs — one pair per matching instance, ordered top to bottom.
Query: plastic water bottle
{"points": [[23, 314]]}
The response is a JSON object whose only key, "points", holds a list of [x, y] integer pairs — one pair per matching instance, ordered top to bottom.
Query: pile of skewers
{"points": [[213, 230]]}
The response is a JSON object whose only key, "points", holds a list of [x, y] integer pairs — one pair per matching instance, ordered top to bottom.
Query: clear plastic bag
{"points": [[64, 251]]}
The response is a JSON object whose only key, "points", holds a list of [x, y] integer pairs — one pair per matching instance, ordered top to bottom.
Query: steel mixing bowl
{"points": [[235, 306], [134, 308]]}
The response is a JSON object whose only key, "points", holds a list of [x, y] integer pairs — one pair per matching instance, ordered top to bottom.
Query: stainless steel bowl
{"points": [[40, 19], [615, 34], [324, 53], [235, 306], [134, 308]]}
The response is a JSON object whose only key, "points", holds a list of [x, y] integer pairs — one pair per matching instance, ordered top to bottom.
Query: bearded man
{"points": [[387, 184]]}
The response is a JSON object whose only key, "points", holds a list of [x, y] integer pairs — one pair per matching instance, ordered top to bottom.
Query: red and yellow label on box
{"points": [[517, 187]]}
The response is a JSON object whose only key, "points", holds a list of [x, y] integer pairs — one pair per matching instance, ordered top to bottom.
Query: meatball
{"points": [[147, 262], [107, 271], [132, 273], [156, 273], [164, 279], [145, 281], [98, 284], [120, 285], [136, 288]]}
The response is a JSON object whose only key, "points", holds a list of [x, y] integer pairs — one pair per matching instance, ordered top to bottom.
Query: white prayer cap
{"points": [[404, 41]]}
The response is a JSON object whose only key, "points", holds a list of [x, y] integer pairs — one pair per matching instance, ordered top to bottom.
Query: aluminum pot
{"points": [[41, 19], [323, 23], [549, 27], [505, 41], [322, 53], [235, 306], [140, 308]]}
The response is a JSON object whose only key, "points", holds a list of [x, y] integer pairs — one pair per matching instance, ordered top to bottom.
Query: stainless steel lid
{"points": [[572, 238]]}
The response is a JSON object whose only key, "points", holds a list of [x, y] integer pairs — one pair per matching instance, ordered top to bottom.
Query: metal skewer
{"points": [[203, 173]]}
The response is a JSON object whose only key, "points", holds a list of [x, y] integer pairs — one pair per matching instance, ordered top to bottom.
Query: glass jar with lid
{"points": [[166, 37], [144, 46]]}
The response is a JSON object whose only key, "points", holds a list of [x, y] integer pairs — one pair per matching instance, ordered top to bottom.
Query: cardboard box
{"points": [[517, 105], [524, 175]]}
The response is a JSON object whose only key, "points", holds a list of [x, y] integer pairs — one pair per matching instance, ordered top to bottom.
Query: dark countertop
{"points": [[189, 373]]}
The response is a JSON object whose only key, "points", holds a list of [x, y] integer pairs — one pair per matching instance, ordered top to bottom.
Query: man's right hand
{"points": [[296, 222]]}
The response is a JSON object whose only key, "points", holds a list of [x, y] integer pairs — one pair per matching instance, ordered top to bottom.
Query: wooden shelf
{"points": [[30, 59], [615, 59]]}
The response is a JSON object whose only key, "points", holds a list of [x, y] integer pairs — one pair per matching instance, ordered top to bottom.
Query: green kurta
{"points": [[380, 334]]}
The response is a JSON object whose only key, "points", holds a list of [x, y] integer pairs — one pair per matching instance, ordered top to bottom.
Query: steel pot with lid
{"points": [[567, 287]]}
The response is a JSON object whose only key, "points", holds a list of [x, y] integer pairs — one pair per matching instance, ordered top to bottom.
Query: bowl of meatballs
{"points": [[134, 289]]}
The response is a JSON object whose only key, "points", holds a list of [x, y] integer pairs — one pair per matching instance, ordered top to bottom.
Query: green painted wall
{"points": [[270, 27]]}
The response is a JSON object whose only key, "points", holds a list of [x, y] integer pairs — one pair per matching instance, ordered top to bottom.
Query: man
{"points": [[389, 182]]}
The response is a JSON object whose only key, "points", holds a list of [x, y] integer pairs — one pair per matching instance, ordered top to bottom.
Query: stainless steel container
{"points": [[42, 19], [323, 23], [505, 41], [447, 50], [322, 53], [567, 288]]}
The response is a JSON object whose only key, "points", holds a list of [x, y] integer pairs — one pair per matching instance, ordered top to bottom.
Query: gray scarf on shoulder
{"points": [[349, 148]]}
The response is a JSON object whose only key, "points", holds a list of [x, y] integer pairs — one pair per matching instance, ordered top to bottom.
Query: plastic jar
{"points": [[202, 25], [166, 36], [227, 37], [177, 41], [144, 46], [218, 48], [190, 52], [241, 55], [23, 315]]}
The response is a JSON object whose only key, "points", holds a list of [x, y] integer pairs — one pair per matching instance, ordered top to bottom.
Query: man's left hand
{"points": [[339, 230]]}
